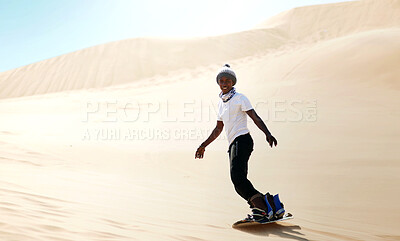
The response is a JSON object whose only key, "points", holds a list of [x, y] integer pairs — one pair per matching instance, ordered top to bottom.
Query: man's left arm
{"points": [[261, 125]]}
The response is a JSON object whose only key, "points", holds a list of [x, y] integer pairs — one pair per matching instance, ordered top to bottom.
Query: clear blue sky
{"points": [[34, 30]]}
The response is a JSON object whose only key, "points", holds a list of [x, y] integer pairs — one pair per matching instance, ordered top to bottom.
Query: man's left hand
{"points": [[271, 141]]}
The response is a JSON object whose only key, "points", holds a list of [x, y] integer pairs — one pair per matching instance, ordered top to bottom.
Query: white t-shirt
{"points": [[233, 114]]}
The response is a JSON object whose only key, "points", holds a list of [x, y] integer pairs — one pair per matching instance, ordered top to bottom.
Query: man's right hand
{"points": [[200, 152]]}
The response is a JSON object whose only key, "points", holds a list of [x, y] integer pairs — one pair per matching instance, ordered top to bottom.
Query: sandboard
{"points": [[247, 223]]}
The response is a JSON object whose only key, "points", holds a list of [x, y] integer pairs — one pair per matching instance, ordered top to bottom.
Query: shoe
{"points": [[270, 199], [259, 202], [280, 211], [259, 216]]}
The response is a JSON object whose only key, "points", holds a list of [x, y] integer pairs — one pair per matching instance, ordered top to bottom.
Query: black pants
{"points": [[239, 153]]}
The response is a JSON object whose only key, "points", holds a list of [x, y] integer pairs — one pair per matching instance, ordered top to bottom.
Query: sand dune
{"points": [[318, 22], [134, 59], [130, 60], [75, 167]]}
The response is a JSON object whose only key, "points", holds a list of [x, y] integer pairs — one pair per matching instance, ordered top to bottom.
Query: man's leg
{"points": [[239, 154]]}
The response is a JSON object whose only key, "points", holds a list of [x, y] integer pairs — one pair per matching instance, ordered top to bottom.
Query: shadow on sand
{"points": [[275, 229]]}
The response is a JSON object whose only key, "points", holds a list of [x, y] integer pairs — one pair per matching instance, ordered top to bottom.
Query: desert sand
{"points": [[99, 144]]}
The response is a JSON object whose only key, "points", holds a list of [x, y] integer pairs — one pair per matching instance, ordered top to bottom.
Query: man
{"points": [[233, 109]]}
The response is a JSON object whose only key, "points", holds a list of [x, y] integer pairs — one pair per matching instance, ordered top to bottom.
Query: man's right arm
{"points": [[214, 134]]}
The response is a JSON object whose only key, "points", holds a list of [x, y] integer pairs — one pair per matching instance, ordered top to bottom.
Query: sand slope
{"points": [[94, 158]]}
